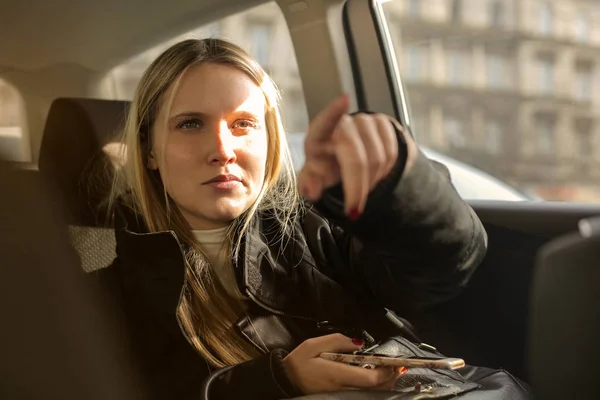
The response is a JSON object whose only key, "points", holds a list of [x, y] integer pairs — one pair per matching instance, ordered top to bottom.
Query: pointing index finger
{"points": [[325, 123]]}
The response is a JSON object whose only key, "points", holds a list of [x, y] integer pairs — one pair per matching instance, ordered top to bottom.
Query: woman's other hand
{"points": [[358, 151], [313, 374]]}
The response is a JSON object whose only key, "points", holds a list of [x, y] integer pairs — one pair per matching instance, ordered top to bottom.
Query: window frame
{"points": [[413, 8], [456, 11], [497, 14], [545, 19], [582, 21], [251, 30], [415, 62], [458, 66], [546, 66], [496, 71], [584, 80], [543, 121], [454, 129], [497, 148]]}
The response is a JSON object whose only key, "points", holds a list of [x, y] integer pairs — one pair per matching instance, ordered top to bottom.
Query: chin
{"points": [[231, 208], [223, 212], [226, 212], [226, 215]]}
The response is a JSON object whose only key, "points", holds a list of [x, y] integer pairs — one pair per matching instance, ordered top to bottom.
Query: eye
{"points": [[190, 124], [245, 124]]}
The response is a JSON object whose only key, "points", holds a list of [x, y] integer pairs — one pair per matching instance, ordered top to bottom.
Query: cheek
{"points": [[257, 150], [175, 162]]}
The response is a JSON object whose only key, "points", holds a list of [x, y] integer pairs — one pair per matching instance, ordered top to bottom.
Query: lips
{"points": [[223, 178]]}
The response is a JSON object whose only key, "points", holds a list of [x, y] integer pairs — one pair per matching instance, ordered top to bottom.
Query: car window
{"points": [[263, 32], [506, 87], [14, 145]]}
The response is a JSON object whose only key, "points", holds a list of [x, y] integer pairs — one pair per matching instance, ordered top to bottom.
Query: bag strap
{"points": [[204, 392]]}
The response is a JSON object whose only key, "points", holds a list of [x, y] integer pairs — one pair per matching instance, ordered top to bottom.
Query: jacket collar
{"points": [[277, 277]]}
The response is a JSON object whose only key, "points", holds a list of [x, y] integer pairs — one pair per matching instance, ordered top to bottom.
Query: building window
{"points": [[413, 8], [456, 11], [497, 14], [546, 19], [582, 27], [213, 30], [260, 37], [415, 63], [458, 67], [497, 71], [546, 74], [583, 81], [294, 111], [418, 124], [454, 132], [546, 134], [493, 137], [584, 137], [13, 146], [585, 146]]}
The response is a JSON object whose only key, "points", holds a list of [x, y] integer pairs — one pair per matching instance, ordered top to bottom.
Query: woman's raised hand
{"points": [[358, 151], [313, 374]]}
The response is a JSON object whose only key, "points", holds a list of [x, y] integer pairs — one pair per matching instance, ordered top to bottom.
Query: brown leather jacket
{"points": [[416, 244]]}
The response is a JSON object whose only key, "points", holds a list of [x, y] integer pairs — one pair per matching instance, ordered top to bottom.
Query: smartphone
{"points": [[372, 361]]}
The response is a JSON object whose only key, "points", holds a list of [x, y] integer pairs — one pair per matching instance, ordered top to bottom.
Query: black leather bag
{"points": [[468, 383]]}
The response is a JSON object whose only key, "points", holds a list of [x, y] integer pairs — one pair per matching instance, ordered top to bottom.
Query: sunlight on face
{"points": [[210, 147]]}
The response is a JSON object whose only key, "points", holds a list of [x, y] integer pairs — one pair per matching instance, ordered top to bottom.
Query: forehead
{"points": [[216, 89]]}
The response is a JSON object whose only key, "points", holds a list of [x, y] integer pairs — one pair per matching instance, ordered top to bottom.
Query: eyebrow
{"points": [[188, 114], [200, 115]]}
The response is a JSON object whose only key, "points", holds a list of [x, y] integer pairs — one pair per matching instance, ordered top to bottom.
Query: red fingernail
{"points": [[354, 214], [358, 342], [402, 370]]}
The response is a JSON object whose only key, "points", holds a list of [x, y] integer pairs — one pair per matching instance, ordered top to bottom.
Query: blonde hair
{"points": [[205, 312]]}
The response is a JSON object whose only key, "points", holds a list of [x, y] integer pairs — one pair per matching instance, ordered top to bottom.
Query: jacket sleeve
{"points": [[416, 243], [264, 377]]}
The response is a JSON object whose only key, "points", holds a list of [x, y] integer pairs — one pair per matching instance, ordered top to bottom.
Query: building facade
{"points": [[509, 86]]}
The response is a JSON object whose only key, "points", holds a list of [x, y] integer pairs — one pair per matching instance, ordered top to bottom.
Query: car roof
{"points": [[97, 34]]}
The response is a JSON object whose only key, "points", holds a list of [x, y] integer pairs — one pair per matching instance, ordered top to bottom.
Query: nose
{"points": [[223, 152]]}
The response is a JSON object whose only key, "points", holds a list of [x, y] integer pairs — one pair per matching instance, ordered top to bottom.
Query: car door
{"points": [[487, 323]]}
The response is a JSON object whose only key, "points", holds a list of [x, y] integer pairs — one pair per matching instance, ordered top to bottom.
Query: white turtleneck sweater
{"points": [[212, 243]]}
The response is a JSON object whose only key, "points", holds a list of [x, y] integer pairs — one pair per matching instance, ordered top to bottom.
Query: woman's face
{"points": [[210, 147]]}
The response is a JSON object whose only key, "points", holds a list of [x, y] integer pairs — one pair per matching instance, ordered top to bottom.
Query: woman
{"points": [[220, 262]]}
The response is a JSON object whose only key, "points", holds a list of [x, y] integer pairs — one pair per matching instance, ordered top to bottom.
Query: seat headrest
{"points": [[75, 134], [43, 286], [564, 316]]}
